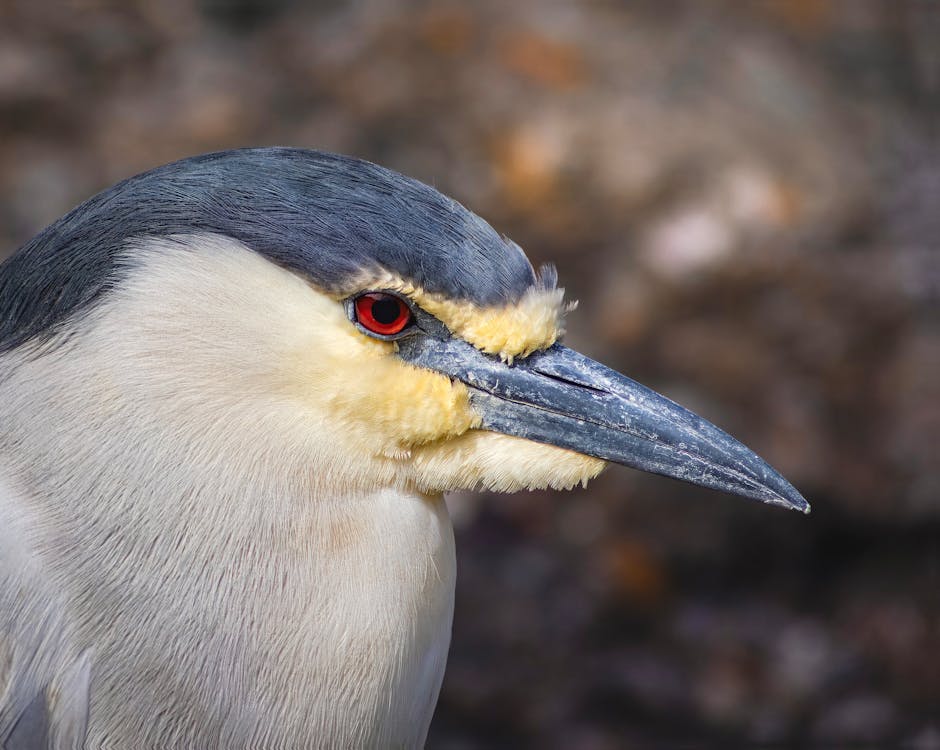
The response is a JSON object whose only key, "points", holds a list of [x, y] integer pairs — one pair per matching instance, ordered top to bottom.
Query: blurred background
{"points": [[744, 197]]}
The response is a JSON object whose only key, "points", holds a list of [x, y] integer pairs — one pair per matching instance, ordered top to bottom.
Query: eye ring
{"points": [[382, 315]]}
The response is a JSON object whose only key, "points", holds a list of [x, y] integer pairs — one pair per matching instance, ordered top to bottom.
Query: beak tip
{"points": [[791, 500]]}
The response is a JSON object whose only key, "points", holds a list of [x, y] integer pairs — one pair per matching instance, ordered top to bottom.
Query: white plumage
{"points": [[290, 575]]}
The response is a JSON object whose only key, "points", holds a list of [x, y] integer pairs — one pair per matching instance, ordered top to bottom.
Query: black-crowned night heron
{"points": [[232, 393]]}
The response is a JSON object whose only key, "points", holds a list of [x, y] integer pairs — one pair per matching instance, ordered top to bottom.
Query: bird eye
{"points": [[382, 313]]}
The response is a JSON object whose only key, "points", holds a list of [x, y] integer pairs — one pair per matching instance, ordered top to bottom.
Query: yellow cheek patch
{"points": [[515, 330], [400, 406]]}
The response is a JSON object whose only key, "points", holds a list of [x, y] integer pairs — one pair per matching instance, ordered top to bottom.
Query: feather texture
{"points": [[192, 547]]}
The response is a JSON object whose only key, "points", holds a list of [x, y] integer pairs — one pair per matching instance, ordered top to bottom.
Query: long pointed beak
{"points": [[563, 398]]}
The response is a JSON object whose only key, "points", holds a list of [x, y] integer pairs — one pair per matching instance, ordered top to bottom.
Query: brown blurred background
{"points": [[743, 196]]}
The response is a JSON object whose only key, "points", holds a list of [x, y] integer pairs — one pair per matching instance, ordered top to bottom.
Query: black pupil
{"points": [[386, 310]]}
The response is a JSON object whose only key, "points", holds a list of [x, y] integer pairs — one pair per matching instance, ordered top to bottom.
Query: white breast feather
{"points": [[229, 589]]}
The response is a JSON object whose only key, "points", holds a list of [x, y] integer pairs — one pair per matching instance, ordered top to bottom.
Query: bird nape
{"points": [[233, 391]]}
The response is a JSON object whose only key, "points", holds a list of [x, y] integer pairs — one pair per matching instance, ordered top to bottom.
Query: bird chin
{"points": [[481, 460]]}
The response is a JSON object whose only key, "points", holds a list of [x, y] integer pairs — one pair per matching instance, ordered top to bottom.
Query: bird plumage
{"points": [[335, 220], [221, 495], [226, 515]]}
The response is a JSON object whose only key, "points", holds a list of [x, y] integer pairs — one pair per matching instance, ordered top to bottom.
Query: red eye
{"points": [[380, 313]]}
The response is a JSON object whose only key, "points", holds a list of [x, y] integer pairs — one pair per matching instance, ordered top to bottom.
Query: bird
{"points": [[233, 392]]}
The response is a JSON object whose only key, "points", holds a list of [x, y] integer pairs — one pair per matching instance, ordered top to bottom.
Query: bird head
{"points": [[358, 320]]}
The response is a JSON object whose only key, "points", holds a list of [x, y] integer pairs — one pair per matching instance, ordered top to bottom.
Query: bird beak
{"points": [[560, 397]]}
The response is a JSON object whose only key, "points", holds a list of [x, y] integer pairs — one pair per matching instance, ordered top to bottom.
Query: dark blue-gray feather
{"points": [[324, 216]]}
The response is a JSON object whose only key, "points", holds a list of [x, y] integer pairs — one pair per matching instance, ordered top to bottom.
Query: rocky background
{"points": [[745, 198]]}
